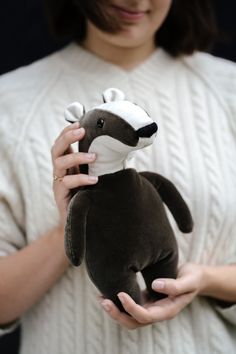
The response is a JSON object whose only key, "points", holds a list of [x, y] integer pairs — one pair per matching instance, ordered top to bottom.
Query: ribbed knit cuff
{"points": [[227, 311], [8, 329]]}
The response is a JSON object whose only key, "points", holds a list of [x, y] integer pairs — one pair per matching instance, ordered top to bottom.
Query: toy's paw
{"points": [[187, 227], [71, 252]]}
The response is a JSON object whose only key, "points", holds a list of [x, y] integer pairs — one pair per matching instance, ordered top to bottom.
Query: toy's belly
{"points": [[131, 227]]}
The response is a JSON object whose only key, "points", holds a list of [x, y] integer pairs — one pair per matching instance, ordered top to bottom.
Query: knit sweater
{"points": [[193, 101]]}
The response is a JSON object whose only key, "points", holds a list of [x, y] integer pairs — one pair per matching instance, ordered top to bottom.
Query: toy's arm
{"points": [[172, 198], [75, 230]]}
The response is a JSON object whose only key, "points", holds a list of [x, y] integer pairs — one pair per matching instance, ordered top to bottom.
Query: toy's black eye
{"points": [[100, 122]]}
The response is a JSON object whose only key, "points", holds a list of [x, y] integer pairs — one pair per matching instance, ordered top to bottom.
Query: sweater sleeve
{"points": [[220, 77], [228, 82], [225, 83], [20, 92], [17, 94], [11, 208], [12, 236], [225, 310], [228, 313], [9, 329]]}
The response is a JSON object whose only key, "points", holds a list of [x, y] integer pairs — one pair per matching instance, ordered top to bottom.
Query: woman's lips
{"points": [[130, 15]]}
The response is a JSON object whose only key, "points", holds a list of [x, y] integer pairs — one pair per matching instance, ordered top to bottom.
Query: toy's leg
{"points": [[165, 268], [121, 283]]}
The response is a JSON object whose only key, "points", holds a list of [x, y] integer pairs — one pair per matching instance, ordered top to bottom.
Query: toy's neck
{"points": [[110, 156], [105, 164], [98, 169]]}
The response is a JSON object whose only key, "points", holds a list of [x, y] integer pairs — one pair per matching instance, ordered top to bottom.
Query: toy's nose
{"points": [[147, 131]]}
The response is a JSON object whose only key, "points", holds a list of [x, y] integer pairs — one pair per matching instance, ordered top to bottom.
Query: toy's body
{"points": [[119, 226]]}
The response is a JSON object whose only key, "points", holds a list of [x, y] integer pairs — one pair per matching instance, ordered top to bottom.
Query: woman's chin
{"points": [[130, 37]]}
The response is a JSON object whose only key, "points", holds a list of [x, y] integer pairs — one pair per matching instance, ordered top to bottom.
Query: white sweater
{"points": [[193, 100]]}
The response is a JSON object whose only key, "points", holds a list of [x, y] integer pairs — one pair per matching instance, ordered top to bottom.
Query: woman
{"points": [[147, 49]]}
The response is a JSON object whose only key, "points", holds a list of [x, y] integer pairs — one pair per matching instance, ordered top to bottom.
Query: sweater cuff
{"points": [[227, 310], [228, 313], [9, 328]]}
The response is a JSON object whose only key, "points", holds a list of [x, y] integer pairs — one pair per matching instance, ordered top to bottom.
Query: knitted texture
{"points": [[193, 101]]}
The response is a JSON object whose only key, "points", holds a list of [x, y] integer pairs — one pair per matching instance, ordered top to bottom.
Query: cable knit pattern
{"points": [[193, 101]]}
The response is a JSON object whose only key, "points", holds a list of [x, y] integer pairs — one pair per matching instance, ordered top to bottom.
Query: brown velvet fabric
{"points": [[119, 226]]}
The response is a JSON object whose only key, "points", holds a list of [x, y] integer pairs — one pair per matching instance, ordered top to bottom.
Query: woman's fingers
{"points": [[75, 125], [64, 141], [73, 159], [61, 162], [66, 167], [73, 181], [190, 279], [173, 287], [180, 291], [161, 310], [138, 312], [118, 316], [140, 316]]}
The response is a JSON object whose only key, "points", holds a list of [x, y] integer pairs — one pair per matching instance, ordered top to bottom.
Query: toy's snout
{"points": [[147, 131]]}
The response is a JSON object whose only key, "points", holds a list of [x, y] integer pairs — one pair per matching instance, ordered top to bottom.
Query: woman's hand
{"points": [[66, 167], [180, 291]]}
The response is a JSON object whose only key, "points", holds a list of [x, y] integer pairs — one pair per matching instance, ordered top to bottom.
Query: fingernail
{"points": [[78, 132], [90, 156], [93, 179], [158, 284], [121, 298], [106, 306]]}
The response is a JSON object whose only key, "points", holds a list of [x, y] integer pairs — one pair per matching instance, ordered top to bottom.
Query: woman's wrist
{"points": [[57, 236], [207, 280], [219, 282]]}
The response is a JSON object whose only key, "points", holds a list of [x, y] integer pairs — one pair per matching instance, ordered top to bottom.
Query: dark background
{"points": [[25, 38]]}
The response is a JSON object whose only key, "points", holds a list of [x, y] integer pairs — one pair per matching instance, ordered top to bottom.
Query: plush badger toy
{"points": [[119, 226]]}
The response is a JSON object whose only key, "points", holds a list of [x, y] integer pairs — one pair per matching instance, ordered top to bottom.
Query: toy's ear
{"points": [[113, 94], [74, 112]]}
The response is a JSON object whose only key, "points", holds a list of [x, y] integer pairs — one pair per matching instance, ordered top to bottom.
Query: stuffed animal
{"points": [[119, 226]]}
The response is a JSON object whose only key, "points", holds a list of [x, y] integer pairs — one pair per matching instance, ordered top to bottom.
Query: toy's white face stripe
{"points": [[131, 113], [107, 143], [114, 146]]}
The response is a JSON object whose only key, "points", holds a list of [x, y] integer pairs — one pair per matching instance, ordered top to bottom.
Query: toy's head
{"points": [[116, 127]]}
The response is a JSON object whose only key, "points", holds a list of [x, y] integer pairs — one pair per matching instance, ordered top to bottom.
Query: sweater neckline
{"points": [[78, 57]]}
